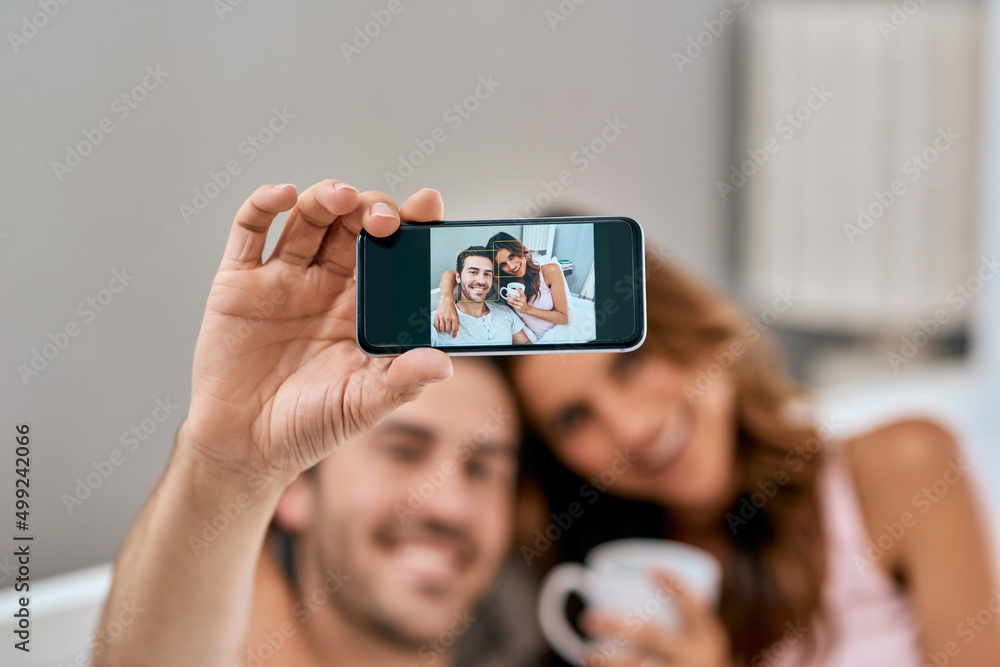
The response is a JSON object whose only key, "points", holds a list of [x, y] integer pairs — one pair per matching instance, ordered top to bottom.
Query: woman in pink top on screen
{"points": [[543, 303], [863, 551]]}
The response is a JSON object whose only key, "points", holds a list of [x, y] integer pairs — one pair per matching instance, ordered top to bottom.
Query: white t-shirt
{"points": [[497, 327]]}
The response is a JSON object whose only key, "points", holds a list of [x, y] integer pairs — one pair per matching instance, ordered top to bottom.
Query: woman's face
{"points": [[509, 263], [624, 421]]}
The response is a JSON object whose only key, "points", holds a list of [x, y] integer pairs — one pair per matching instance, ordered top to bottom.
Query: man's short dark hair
{"points": [[473, 251]]}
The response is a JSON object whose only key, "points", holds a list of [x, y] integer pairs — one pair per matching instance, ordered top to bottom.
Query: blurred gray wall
{"points": [[158, 100], [579, 248], [986, 352]]}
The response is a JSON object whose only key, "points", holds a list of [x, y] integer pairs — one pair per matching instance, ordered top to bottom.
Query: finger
{"points": [[423, 206], [317, 209], [376, 213], [249, 232], [441, 324], [409, 373], [694, 612], [645, 636], [616, 650], [618, 658], [653, 660]]}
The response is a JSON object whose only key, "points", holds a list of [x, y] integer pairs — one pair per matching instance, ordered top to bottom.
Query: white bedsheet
{"points": [[581, 328]]}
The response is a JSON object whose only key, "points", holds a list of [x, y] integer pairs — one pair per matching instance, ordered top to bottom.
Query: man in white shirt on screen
{"points": [[481, 322]]}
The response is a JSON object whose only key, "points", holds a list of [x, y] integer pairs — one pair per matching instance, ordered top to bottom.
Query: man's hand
{"points": [[446, 316], [279, 380], [278, 383]]}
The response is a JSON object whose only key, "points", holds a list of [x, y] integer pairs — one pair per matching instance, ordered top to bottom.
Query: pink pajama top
{"points": [[541, 301], [870, 621]]}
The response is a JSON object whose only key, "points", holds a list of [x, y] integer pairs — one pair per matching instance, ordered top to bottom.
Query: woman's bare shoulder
{"points": [[551, 269], [901, 452], [894, 465], [926, 528]]}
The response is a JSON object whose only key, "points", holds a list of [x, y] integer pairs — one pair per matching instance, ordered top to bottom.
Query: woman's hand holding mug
{"points": [[516, 301], [637, 614], [700, 641]]}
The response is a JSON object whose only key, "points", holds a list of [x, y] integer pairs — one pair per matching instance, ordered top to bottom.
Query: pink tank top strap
{"points": [[542, 301], [868, 618]]}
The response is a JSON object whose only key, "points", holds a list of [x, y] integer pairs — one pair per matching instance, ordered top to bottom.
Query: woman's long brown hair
{"points": [[532, 271], [773, 578]]}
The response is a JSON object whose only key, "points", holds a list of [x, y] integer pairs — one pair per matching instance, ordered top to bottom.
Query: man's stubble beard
{"points": [[464, 296], [349, 603], [357, 603]]}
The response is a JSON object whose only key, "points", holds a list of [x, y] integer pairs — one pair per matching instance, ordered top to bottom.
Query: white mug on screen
{"points": [[509, 289]]}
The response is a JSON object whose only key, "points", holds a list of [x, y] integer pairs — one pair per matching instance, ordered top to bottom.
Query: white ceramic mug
{"points": [[510, 287], [617, 580]]}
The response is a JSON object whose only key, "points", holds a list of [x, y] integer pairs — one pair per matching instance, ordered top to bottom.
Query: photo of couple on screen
{"points": [[523, 285]]}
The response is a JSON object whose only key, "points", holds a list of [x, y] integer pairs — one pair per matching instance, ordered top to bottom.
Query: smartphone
{"points": [[522, 286]]}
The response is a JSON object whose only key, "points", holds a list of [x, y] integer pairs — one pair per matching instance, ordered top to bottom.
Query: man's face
{"points": [[476, 278], [417, 513]]}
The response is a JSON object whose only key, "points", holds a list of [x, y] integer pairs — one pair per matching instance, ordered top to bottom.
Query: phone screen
{"points": [[513, 286]]}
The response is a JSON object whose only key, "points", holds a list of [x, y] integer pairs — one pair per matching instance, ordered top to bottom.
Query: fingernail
{"points": [[283, 185], [344, 186], [430, 190], [382, 210], [431, 380]]}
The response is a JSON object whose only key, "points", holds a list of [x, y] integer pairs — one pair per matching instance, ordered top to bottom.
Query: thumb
{"points": [[409, 373]]}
